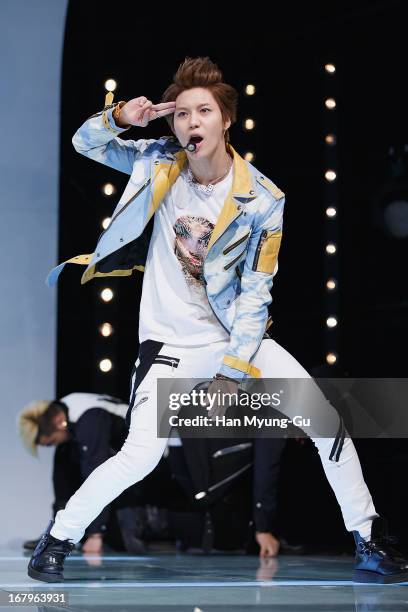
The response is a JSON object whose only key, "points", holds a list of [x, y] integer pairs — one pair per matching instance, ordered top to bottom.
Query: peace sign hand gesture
{"points": [[140, 111]]}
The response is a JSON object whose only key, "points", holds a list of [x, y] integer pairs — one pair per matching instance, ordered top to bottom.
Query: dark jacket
{"points": [[97, 433], [210, 469]]}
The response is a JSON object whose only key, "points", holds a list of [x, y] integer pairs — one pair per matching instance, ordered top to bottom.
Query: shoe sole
{"points": [[43, 576], [373, 577]]}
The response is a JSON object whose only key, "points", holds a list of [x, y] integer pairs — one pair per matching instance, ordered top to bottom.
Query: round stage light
{"points": [[110, 84], [330, 139], [330, 175], [108, 189], [331, 248], [107, 295], [106, 330], [105, 365]]}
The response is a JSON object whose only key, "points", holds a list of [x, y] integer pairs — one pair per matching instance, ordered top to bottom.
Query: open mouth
{"points": [[197, 140]]}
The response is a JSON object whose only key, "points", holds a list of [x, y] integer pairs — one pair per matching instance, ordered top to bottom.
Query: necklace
{"points": [[207, 189]]}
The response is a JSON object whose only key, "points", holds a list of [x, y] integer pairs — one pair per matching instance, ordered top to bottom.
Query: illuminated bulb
{"points": [[330, 68], [110, 84], [250, 90], [330, 103], [249, 124], [330, 139], [249, 156], [330, 175], [108, 189], [331, 211], [105, 223], [331, 248], [331, 284], [107, 295], [331, 322], [106, 330], [331, 358], [105, 365]]}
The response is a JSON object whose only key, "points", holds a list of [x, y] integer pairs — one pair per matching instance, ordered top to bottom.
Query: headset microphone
{"points": [[191, 146]]}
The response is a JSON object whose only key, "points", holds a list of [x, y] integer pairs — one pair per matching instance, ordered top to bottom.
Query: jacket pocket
{"points": [[130, 200], [126, 204], [235, 244], [267, 250], [234, 261], [172, 362]]}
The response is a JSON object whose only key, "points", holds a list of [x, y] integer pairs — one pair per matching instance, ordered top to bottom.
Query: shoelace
{"points": [[68, 548], [367, 548]]}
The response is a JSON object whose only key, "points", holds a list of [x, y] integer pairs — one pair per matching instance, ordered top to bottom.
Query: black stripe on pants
{"points": [[148, 351]]}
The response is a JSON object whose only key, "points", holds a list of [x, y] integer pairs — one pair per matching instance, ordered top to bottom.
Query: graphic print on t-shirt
{"points": [[192, 237]]}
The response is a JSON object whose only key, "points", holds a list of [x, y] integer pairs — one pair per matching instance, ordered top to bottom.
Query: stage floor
{"points": [[198, 583]]}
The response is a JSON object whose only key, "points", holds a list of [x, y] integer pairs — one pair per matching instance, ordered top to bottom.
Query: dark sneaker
{"points": [[376, 560], [47, 561]]}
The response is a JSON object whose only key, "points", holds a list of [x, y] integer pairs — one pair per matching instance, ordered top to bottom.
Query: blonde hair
{"points": [[28, 424]]}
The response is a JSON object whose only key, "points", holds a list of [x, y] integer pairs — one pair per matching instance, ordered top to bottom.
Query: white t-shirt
{"points": [[174, 307], [78, 403]]}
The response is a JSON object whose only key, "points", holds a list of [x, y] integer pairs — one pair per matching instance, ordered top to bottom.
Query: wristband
{"points": [[116, 112], [219, 376]]}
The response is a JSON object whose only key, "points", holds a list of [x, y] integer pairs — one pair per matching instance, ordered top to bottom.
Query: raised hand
{"points": [[139, 111]]}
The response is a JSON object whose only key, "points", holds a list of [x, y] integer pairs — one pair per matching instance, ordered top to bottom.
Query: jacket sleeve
{"points": [[98, 139], [256, 283], [93, 436], [267, 460], [66, 477]]}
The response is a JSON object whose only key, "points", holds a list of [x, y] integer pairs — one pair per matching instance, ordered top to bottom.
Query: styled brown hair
{"points": [[202, 72]]}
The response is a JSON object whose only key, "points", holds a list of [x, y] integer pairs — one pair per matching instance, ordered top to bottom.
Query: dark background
{"points": [[282, 51]]}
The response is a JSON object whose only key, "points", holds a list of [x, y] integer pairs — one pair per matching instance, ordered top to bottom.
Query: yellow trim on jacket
{"points": [[243, 366]]}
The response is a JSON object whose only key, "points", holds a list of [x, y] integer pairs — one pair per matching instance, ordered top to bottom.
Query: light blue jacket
{"points": [[242, 253]]}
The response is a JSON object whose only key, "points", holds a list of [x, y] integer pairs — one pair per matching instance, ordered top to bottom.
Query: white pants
{"points": [[142, 449]]}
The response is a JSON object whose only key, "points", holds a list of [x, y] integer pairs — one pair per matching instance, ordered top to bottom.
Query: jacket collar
{"points": [[164, 175], [243, 185], [243, 190]]}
